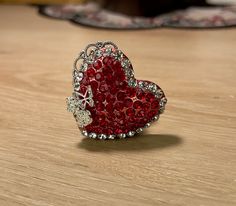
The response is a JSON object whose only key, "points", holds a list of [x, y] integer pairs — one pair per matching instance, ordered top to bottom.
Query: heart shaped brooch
{"points": [[107, 101]]}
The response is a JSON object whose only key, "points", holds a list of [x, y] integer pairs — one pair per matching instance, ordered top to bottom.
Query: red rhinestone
{"points": [[108, 61], [97, 65], [117, 66], [106, 70], [90, 72], [99, 76], [121, 77], [110, 78], [85, 81], [94, 85], [103, 87], [83, 89], [113, 89], [131, 92], [141, 95], [121, 96], [100, 97], [150, 97], [110, 99], [128, 102], [155, 104], [137, 105], [100, 106], [119, 106], [146, 106], [109, 107], [130, 112], [141, 113], [152, 113], [120, 115], [103, 123], [97, 130], [109, 131], [118, 131]]}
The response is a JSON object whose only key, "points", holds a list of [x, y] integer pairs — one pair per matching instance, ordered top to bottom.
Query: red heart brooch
{"points": [[108, 102]]}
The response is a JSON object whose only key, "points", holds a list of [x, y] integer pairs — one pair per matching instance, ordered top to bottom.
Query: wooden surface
{"points": [[188, 158]]}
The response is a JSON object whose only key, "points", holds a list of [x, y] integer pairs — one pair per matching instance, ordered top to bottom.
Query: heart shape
{"points": [[108, 101]]}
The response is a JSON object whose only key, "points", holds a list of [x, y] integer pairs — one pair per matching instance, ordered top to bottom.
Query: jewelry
{"points": [[107, 101]]}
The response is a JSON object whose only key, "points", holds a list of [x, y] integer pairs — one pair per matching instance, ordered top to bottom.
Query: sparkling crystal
{"points": [[98, 53], [125, 63], [84, 67], [79, 77], [132, 82], [71, 104], [83, 117], [139, 130], [85, 133], [131, 133], [92, 135], [102, 136], [121, 136], [111, 137]]}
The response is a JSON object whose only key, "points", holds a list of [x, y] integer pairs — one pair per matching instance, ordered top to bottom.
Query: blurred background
{"points": [[139, 14]]}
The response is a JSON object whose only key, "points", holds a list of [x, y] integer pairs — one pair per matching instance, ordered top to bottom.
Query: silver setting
{"points": [[85, 99], [77, 102]]}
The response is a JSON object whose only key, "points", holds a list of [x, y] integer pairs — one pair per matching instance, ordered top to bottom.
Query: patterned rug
{"points": [[91, 14]]}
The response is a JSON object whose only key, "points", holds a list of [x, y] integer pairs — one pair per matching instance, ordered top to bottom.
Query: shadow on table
{"points": [[137, 143]]}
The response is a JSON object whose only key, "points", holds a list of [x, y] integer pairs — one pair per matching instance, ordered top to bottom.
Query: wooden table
{"points": [[188, 158]]}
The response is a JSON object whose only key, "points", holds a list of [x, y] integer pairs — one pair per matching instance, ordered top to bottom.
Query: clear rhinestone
{"points": [[99, 44], [108, 51], [98, 53], [118, 55], [125, 63], [84, 67], [129, 73], [79, 77], [132, 82], [141, 84], [77, 86], [152, 87], [158, 93], [163, 102], [71, 104], [161, 110], [83, 117], [156, 118], [147, 125], [139, 130], [85, 133], [131, 133], [92, 135], [102, 136], [112, 136], [121, 136]]}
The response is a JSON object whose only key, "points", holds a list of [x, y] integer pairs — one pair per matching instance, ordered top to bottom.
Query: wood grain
{"points": [[187, 159]]}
